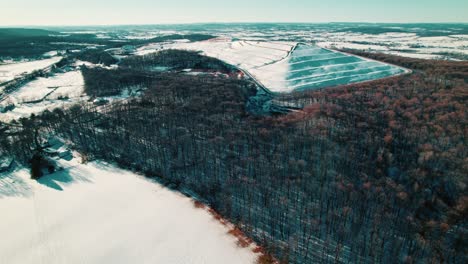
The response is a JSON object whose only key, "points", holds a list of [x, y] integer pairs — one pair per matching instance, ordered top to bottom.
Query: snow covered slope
{"points": [[401, 44], [244, 54], [286, 66], [310, 67], [11, 71], [69, 84], [58, 91], [96, 213]]}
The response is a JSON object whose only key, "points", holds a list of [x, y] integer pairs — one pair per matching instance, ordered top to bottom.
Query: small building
{"points": [[56, 148]]}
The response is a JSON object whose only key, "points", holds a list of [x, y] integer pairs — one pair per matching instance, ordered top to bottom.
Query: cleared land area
{"points": [[288, 66], [311, 67], [11, 71], [43, 94], [96, 213]]}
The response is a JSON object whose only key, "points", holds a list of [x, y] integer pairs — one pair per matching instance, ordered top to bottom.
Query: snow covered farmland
{"points": [[406, 41], [401, 44], [244, 54], [288, 66], [310, 67], [11, 71], [68, 84], [44, 93], [96, 213]]}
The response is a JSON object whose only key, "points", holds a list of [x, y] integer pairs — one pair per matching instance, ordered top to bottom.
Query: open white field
{"points": [[401, 44], [406, 44], [244, 54], [283, 67], [310, 67], [11, 71], [70, 84], [42, 94], [25, 110], [96, 213]]}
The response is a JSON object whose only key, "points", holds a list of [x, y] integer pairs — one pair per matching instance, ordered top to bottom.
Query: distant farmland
{"points": [[288, 66], [311, 67]]}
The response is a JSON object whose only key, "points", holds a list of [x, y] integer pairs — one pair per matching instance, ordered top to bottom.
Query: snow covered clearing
{"points": [[410, 43], [347, 45], [150, 48], [51, 54], [244, 54], [416, 55], [88, 64], [281, 67], [311, 67], [11, 71], [68, 84], [44, 93], [25, 110], [96, 213]]}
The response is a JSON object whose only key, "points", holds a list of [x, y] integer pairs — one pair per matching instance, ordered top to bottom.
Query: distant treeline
{"points": [[421, 29], [191, 37], [32, 43], [96, 56], [176, 60], [137, 71], [103, 82]]}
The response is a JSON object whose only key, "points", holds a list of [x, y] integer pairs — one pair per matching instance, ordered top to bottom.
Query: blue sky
{"points": [[102, 12]]}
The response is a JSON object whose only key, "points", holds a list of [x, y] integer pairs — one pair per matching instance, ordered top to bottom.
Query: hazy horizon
{"points": [[157, 12], [39, 26]]}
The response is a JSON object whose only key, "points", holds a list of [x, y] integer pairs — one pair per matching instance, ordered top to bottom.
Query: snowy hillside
{"points": [[289, 66], [310, 67], [11, 71], [68, 84], [58, 91], [96, 213]]}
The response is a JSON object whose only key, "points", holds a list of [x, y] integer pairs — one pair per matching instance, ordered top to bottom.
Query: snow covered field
{"points": [[449, 41], [402, 44], [244, 54], [281, 67], [310, 67], [11, 71], [62, 84], [44, 93], [96, 213]]}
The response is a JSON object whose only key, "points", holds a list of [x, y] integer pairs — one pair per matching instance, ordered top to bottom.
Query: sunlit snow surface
{"points": [[288, 66], [310, 67], [11, 71], [68, 84], [57, 91], [96, 213]]}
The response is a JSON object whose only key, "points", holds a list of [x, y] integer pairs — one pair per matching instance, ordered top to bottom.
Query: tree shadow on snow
{"points": [[59, 179], [12, 185]]}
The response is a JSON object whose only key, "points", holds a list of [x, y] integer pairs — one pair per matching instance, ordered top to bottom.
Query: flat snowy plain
{"points": [[96, 213]]}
